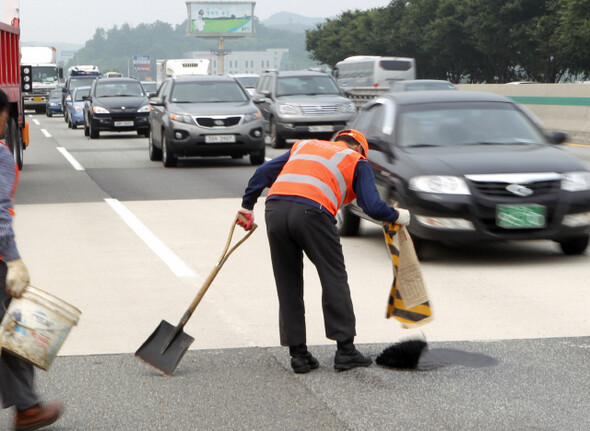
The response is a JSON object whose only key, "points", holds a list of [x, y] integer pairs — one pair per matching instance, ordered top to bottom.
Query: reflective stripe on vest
{"points": [[330, 187]]}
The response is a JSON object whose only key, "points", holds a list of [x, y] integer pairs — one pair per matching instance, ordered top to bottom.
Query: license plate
{"points": [[37, 99], [123, 123], [321, 129], [213, 139], [520, 216]]}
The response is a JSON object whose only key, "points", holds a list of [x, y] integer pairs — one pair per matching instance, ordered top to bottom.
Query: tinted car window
{"points": [[293, 85], [119, 89], [207, 92], [80, 94], [478, 123]]}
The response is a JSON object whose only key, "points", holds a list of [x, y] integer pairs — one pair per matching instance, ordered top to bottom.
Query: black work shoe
{"points": [[348, 359], [302, 364]]}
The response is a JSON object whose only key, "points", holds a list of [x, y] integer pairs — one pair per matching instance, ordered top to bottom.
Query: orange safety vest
{"points": [[321, 171], [15, 183]]}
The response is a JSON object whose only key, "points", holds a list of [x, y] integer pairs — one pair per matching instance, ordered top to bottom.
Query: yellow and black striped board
{"points": [[408, 300]]}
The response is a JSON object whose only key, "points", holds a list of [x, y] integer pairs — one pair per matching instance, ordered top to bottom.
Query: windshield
{"points": [[44, 74], [248, 81], [80, 82], [295, 85], [118, 89], [207, 92], [81, 93], [452, 124]]}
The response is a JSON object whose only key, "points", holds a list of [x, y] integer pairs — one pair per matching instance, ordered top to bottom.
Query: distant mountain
{"points": [[291, 22]]}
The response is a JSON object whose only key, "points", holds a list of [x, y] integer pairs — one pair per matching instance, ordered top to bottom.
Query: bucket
{"points": [[36, 325]]}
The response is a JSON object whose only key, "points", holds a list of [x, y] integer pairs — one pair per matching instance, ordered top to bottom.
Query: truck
{"points": [[181, 67], [46, 75], [17, 132]]}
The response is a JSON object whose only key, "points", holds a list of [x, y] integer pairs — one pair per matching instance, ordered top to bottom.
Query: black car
{"points": [[116, 104], [472, 166]]}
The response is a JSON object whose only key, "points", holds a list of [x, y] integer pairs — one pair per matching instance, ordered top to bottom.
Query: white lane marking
{"points": [[36, 122], [46, 133], [77, 166], [175, 263]]}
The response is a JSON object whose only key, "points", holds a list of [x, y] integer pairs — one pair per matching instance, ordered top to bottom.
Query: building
{"points": [[247, 61]]}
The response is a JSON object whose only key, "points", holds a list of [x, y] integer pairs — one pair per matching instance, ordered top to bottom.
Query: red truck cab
{"points": [[16, 135]]}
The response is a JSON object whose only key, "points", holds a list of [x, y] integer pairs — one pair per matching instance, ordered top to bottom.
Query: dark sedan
{"points": [[118, 105], [473, 166]]}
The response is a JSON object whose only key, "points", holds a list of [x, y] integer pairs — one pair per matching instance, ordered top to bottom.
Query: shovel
{"points": [[167, 345]]}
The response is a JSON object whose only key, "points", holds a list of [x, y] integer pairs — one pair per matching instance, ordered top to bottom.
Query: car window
{"points": [[306, 85], [119, 89], [163, 89], [207, 92], [80, 94], [467, 124]]}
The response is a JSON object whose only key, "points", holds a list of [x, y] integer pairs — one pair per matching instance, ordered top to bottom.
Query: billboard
{"points": [[208, 18], [141, 63]]}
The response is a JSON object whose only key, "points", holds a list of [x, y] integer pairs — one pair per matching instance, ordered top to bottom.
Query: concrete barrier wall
{"points": [[564, 107]]}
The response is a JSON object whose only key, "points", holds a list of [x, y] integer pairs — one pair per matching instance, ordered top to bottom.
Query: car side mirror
{"points": [[64, 90], [266, 94], [150, 95], [86, 98], [257, 98], [156, 101], [558, 137], [377, 143]]}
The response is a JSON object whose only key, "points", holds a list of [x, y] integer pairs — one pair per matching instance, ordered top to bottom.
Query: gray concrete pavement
{"points": [[512, 317], [516, 385]]}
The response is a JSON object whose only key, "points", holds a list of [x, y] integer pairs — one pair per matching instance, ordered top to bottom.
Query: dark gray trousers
{"points": [[294, 228], [17, 377]]}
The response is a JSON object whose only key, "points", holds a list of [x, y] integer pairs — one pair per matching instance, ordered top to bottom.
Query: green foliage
{"points": [[466, 40], [113, 50]]}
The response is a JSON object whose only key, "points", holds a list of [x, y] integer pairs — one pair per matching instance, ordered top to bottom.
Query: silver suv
{"points": [[299, 105], [204, 116]]}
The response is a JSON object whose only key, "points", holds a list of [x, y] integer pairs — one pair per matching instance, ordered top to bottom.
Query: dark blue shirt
{"points": [[363, 184]]}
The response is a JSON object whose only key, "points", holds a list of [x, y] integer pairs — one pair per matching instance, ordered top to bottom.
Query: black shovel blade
{"points": [[161, 353]]}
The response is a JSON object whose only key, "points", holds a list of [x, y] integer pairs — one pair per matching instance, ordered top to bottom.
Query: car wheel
{"points": [[49, 114], [74, 125], [94, 133], [276, 141], [154, 152], [257, 157], [169, 159], [347, 223], [575, 245]]}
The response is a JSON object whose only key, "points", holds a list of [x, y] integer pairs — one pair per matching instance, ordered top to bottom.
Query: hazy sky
{"points": [[75, 21]]}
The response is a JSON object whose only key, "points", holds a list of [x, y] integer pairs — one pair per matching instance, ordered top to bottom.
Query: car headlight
{"points": [[78, 108], [144, 108], [348, 108], [289, 109], [100, 110], [251, 117], [181, 118], [575, 181], [441, 184]]}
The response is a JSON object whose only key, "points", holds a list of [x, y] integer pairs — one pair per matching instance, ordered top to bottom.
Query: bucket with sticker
{"points": [[35, 326]]}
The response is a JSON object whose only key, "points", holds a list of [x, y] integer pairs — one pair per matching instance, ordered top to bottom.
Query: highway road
{"points": [[130, 242]]}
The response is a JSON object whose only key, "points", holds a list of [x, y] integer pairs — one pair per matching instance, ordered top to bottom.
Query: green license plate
{"points": [[520, 216]]}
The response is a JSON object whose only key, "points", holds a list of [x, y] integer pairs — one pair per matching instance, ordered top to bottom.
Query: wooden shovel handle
{"points": [[217, 267]]}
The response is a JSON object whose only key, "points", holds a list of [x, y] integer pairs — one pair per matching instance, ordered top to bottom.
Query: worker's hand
{"points": [[403, 217], [245, 218], [17, 277]]}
